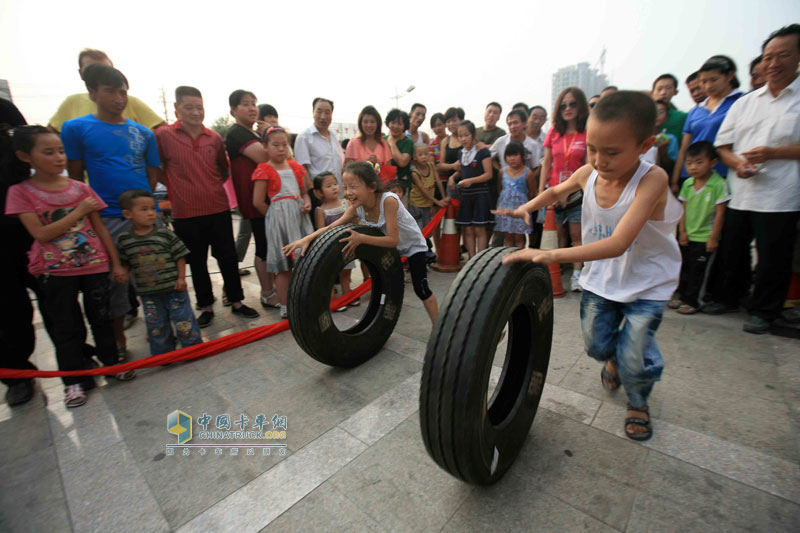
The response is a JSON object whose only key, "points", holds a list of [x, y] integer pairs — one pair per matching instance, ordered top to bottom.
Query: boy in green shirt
{"points": [[664, 89], [704, 196], [157, 258]]}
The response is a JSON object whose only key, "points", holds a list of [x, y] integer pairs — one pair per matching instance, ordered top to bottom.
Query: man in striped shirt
{"points": [[195, 164]]}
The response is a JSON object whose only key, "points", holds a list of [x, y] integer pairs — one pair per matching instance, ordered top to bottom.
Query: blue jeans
{"points": [[159, 310], [631, 346]]}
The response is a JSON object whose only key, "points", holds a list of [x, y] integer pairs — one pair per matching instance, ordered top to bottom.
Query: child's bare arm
{"points": [[486, 176], [650, 195], [260, 196], [549, 196], [348, 216], [319, 218], [716, 229], [46, 233], [683, 238], [390, 240], [118, 272], [180, 283]]}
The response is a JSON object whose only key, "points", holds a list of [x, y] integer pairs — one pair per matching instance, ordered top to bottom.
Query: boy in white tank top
{"points": [[629, 220]]}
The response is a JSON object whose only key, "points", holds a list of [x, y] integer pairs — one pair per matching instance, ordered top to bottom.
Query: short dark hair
{"points": [[791, 29], [97, 55], [755, 62], [724, 64], [96, 75], [693, 76], [667, 77], [185, 90], [236, 97], [319, 99], [490, 104], [416, 105], [520, 105], [537, 107], [634, 107], [266, 110], [370, 111], [583, 111], [455, 112], [398, 114], [523, 116], [435, 117], [24, 137], [515, 148], [702, 148], [364, 171], [319, 179], [395, 184], [126, 199]]}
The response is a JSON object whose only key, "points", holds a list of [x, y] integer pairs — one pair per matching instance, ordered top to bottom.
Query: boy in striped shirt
{"points": [[157, 259]]}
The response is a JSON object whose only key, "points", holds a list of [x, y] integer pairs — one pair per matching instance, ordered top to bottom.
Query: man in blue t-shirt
{"points": [[118, 154]]}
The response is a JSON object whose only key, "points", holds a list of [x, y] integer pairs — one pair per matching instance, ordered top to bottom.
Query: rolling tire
{"points": [[309, 299], [471, 438]]}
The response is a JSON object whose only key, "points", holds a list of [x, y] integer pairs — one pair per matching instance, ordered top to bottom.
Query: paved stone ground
{"points": [[724, 456]]}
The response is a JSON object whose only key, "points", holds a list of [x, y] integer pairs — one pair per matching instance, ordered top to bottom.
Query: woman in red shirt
{"points": [[565, 152]]}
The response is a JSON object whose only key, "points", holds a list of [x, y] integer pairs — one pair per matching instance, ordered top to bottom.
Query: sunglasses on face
{"points": [[565, 105]]}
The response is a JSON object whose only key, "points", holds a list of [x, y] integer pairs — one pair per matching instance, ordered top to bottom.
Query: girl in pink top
{"points": [[370, 145], [564, 153], [70, 254]]}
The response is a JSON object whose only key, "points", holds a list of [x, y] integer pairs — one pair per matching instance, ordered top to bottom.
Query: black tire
{"points": [[310, 296], [471, 438]]}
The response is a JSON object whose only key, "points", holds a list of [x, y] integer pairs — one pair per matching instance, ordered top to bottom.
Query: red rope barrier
{"points": [[206, 349]]}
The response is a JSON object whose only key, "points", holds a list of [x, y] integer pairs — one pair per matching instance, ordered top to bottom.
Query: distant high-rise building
{"points": [[583, 76], [5, 92]]}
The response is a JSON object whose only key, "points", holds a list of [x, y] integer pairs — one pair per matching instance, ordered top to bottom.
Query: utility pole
{"points": [[164, 101]]}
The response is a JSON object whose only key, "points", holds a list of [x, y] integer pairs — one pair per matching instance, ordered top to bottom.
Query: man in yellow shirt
{"points": [[79, 105]]}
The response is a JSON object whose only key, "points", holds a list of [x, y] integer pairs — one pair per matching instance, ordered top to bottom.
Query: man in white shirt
{"points": [[759, 141], [317, 148]]}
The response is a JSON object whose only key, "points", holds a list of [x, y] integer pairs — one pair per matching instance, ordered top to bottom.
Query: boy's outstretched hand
{"points": [[514, 213], [544, 257]]}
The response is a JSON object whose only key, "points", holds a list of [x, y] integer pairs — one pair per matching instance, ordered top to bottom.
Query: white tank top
{"points": [[410, 239], [649, 269]]}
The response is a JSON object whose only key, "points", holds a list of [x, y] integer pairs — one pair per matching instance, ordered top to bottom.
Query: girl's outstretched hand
{"points": [[353, 240], [303, 243], [544, 257]]}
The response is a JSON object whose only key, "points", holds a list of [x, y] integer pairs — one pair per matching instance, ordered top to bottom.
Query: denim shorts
{"points": [[573, 214], [625, 333]]}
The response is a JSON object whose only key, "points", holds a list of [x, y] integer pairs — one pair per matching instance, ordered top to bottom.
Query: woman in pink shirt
{"points": [[370, 145], [564, 153]]}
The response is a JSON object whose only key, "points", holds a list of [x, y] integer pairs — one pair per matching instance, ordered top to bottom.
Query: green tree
{"points": [[222, 125]]}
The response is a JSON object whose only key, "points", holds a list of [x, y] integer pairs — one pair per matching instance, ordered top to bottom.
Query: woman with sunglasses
{"points": [[721, 86], [564, 153]]}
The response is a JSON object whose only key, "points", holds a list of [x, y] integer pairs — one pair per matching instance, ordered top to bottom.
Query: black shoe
{"points": [[247, 312], [205, 318], [20, 393]]}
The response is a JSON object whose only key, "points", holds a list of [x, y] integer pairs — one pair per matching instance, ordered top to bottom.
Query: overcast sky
{"points": [[358, 53]]}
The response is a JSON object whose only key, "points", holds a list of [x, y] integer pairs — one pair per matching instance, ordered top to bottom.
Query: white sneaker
{"points": [[574, 282], [284, 312], [74, 396]]}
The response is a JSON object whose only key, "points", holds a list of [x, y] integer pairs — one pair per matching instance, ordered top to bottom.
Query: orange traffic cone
{"points": [[550, 242], [448, 254]]}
